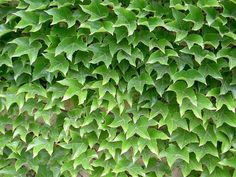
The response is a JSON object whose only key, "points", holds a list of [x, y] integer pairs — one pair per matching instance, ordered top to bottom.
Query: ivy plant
{"points": [[107, 88]]}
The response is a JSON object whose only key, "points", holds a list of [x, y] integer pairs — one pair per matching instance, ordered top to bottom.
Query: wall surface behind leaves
{"points": [[107, 88]]}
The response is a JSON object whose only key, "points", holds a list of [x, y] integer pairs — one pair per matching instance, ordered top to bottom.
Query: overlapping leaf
{"points": [[117, 88]]}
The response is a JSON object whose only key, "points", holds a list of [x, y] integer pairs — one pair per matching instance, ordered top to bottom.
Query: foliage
{"points": [[117, 88]]}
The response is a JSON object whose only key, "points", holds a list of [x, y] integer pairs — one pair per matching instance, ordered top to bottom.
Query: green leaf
{"points": [[208, 3], [36, 5], [137, 5], [229, 9], [96, 10], [62, 14], [195, 15], [125, 18], [151, 22], [98, 27], [194, 39], [163, 43], [70, 45], [24, 47], [101, 54], [158, 56], [5, 60], [57, 63], [40, 69], [210, 69], [107, 74], [190, 76], [138, 82], [74, 88], [108, 88], [32, 89], [182, 91], [12, 97], [159, 108], [121, 121], [173, 121], [140, 128], [157, 134], [208, 135], [183, 137], [38, 144], [77, 148], [201, 151], [172, 153], [84, 160], [230, 162], [125, 165], [193, 165]]}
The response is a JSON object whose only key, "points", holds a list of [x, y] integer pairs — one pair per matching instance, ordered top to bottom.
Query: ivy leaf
{"points": [[62, 3], [208, 3], [36, 5], [137, 5], [228, 9], [96, 10], [62, 14], [195, 15], [126, 18], [28, 19], [151, 22], [98, 27], [194, 39], [162, 44], [69, 45], [24, 47], [228, 53], [101, 55], [158, 56], [5, 60], [57, 63], [40, 69], [210, 69], [107, 74], [190, 76], [138, 82], [74, 88], [117, 88], [32, 89], [103, 89], [181, 90], [12, 97], [226, 99], [159, 108], [222, 116], [121, 121], [173, 121], [140, 127], [157, 134], [207, 135], [183, 137], [38, 144], [77, 148], [201, 151], [172, 153], [84, 160], [228, 162], [125, 165], [186, 168], [218, 172]]}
